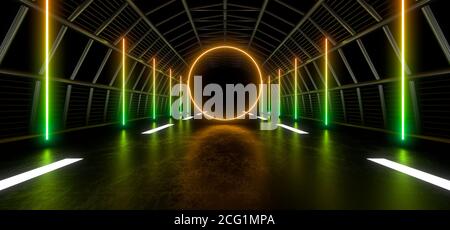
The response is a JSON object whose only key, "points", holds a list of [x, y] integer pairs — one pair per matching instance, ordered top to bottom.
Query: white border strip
{"points": [[188, 118], [262, 118], [157, 129], [292, 129], [432, 179], [11, 181]]}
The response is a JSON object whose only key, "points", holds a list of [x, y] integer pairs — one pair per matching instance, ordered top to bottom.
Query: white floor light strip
{"points": [[188, 118], [262, 118], [157, 129], [292, 129], [438, 181], [8, 182]]}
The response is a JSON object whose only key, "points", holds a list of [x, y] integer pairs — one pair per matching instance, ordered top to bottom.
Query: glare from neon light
{"points": [[47, 60], [403, 71], [123, 82], [326, 82], [154, 89], [295, 90], [188, 118], [157, 129], [292, 129], [14, 180], [438, 181]]}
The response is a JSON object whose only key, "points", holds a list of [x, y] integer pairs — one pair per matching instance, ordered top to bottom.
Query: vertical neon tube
{"points": [[403, 71], [123, 82], [326, 82], [154, 90], [295, 90], [170, 92], [279, 93], [47, 94], [269, 98], [180, 107]]}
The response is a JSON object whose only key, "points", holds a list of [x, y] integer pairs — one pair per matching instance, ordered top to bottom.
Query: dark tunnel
{"points": [[351, 106]]}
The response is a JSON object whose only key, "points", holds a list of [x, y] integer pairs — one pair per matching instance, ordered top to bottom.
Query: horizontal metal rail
{"points": [[73, 82]]}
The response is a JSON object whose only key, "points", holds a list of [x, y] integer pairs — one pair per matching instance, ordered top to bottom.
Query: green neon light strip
{"points": [[47, 70], [403, 70], [123, 82], [326, 82], [154, 89], [295, 91], [170, 92], [279, 93], [269, 100], [180, 107]]}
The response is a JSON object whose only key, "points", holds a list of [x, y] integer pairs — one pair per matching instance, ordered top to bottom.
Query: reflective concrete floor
{"points": [[212, 165]]}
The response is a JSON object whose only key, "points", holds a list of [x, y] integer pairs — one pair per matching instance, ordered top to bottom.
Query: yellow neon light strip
{"points": [[47, 70], [403, 70], [123, 82], [326, 82], [154, 89], [295, 91]]}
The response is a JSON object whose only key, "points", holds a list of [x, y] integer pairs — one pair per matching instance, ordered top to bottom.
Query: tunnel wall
{"points": [[364, 71], [85, 80], [364, 80]]}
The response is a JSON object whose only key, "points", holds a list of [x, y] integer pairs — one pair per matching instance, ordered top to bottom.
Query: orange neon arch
{"points": [[215, 49]]}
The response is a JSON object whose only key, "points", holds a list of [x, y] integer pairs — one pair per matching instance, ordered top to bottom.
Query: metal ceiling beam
{"points": [[160, 7], [290, 7], [80, 10], [188, 12], [261, 13], [142, 15], [111, 19], [339, 19], [225, 20], [299, 24], [12, 31], [82, 31], [437, 31], [365, 32]]}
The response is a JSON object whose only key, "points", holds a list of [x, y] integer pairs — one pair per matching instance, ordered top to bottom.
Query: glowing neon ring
{"points": [[214, 49]]}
